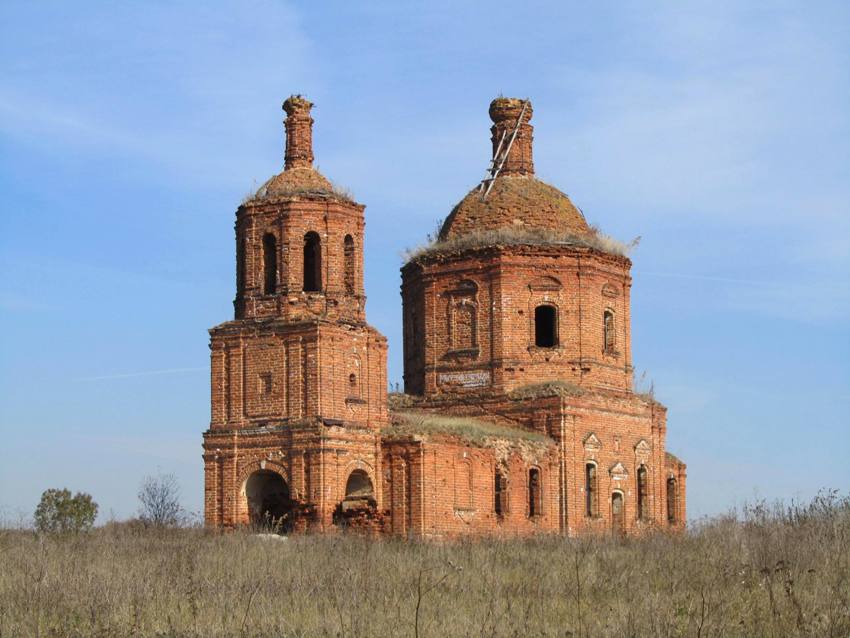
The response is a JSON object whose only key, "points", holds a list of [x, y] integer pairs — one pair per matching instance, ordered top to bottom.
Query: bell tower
{"points": [[299, 240], [298, 377]]}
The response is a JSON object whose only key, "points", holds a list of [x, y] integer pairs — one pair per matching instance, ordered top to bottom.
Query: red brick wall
{"points": [[289, 219], [502, 286], [283, 371], [617, 431], [315, 460]]}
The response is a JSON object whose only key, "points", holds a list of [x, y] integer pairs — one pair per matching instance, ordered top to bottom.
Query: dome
{"points": [[299, 178], [296, 181], [515, 202]]}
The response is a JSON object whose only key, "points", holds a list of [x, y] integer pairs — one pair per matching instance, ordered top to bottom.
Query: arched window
{"points": [[348, 256], [312, 262], [269, 264], [240, 266], [545, 326], [608, 331], [353, 390], [359, 486], [590, 490], [535, 493], [642, 493], [672, 500], [500, 503], [618, 513]]}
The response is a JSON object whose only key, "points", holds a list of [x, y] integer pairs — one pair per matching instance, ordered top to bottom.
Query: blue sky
{"points": [[719, 132]]}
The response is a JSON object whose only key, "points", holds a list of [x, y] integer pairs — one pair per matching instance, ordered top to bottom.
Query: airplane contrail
{"points": [[145, 373]]}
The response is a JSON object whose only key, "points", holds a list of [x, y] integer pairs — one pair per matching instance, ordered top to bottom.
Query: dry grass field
{"points": [[766, 571]]}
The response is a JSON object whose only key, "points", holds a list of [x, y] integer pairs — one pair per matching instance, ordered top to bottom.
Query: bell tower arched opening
{"points": [[312, 262], [269, 264]]}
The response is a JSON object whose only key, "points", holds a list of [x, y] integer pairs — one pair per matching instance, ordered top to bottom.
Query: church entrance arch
{"points": [[269, 501]]}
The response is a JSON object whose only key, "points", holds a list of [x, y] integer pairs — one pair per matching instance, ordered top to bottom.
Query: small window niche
{"points": [[266, 384]]}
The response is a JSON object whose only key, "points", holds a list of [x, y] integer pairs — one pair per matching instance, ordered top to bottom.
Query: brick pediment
{"points": [[592, 443], [618, 471]]}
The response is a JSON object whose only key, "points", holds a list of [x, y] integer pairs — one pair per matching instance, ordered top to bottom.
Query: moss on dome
{"points": [[515, 202]]}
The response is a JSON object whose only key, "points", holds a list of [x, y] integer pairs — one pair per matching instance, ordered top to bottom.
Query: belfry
{"points": [[519, 414]]}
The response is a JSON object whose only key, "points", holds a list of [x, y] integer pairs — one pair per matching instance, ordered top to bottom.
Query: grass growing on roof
{"points": [[522, 237], [547, 389], [468, 429]]}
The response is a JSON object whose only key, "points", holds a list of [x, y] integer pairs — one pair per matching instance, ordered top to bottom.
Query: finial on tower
{"points": [[512, 132], [299, 133]]}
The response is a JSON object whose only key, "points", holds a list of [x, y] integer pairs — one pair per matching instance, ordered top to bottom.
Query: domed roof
{"points": [[298, 177], [296, 181], [520, 202]]}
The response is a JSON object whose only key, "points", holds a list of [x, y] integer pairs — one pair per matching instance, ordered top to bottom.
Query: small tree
{"points": [[159, 498], [60, 512]]}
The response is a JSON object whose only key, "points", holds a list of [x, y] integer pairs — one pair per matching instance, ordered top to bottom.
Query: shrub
{"points": [[159, 501], [59, 512]]}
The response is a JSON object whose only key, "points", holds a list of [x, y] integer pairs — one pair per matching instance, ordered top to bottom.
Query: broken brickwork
{"points": [[519, 415]]}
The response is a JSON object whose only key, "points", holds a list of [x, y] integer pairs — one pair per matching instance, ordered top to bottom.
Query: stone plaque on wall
{"points": [[477, 379]]}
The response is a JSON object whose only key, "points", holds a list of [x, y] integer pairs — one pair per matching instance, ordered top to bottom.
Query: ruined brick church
{"points": [[518, 415]]}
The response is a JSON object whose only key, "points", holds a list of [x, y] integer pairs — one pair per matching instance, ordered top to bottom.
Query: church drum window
{"points": [[312, 262], [269, 264], [349, 265], [240, 266], [545, 326], [608, 332]]}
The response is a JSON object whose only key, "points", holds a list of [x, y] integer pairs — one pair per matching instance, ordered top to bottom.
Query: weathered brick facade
{"points": [[519, 416]]}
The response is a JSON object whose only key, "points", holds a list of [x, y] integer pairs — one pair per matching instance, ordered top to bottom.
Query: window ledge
{"points": [[557, 348], [472, 353]]}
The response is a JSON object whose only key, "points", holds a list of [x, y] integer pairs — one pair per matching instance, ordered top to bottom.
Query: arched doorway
{"points": [[269, 502], [618, 514]]}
